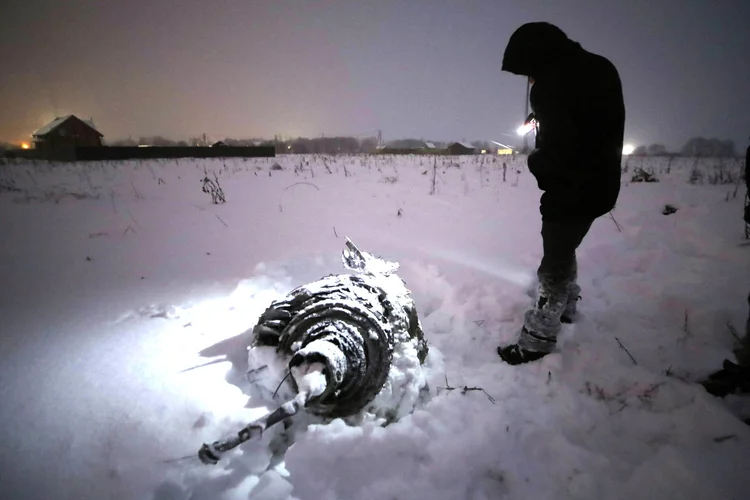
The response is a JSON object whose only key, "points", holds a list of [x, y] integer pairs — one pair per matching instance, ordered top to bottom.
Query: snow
{"points": [[56, 123], [128, 300], [310, 378], [404, 385]]}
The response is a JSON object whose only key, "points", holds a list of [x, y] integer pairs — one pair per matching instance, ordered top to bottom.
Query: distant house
{"points": [[67, 132], [218, 144], [429, 145], [461, 148], [504, 149]]}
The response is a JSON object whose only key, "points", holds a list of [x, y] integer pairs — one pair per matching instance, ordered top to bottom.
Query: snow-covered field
{"points": [[126, 296]]}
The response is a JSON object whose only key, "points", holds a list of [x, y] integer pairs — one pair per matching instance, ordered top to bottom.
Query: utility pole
{"points": [[380, 138]]}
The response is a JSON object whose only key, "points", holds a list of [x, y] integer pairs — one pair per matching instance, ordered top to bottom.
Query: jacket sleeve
{"points": [[558, 135]]}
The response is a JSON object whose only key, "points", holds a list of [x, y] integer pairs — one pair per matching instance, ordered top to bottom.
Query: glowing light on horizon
{"points": [[628, 149]]}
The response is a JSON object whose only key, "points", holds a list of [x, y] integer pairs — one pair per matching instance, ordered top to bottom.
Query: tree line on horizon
{"points": [[303, 145], [694, 147]]}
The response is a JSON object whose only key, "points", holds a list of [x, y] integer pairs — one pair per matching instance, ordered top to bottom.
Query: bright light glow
{"points": [[525, 128], [25, 145], [628, 149], [210, 321]]}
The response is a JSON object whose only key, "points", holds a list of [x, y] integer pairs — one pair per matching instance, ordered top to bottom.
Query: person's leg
{"points": [[557, 275], [574, 294], [742, 352], [733, 377]]}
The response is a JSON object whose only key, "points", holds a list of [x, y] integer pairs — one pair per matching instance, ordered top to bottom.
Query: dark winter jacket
{"points": [[578, 104], [747, 205]]}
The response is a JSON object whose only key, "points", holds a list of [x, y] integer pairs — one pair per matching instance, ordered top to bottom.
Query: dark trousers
{"points": [[558, 289]]}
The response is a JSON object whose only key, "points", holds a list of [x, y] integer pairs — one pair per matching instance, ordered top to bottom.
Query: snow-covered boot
{"points": [[574, 295], [541, 325], [538, 335], [516, 355], [732, 378]]}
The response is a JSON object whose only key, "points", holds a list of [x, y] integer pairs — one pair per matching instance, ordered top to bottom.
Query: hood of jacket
{"points": [[535, 48]]}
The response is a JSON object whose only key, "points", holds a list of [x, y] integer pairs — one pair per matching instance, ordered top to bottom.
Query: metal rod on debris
{"points": [[211, 453]]}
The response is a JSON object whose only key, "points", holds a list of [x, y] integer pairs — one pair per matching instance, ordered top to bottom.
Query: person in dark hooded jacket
{"points": [[578, 106], [747, 221], [746, 338], [734, 378]]}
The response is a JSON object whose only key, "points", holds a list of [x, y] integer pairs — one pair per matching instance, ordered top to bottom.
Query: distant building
{"points": [[67, 132], [218, 144], [429, 145], [461, 148], [504, 149]]}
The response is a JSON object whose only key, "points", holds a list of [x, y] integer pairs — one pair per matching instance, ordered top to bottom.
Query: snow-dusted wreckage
{"points": [[336, 347]]}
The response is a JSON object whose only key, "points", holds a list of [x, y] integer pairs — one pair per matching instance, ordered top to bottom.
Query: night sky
{"points": [[425, 69]]}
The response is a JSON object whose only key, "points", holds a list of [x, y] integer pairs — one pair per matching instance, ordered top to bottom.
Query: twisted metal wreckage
{"points": [[336, 338]]}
